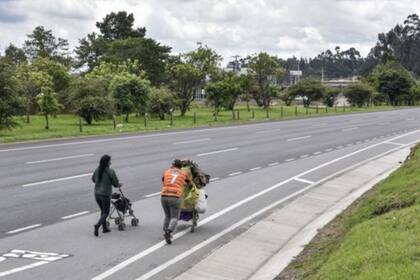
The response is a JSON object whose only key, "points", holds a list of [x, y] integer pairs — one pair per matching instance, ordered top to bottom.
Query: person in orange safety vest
{"points": [[173, 180]]}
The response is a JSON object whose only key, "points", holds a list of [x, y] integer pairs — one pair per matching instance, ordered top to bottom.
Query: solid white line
{"points": [[349, 129], [299, 138], [192, 141], [218, 152], [57, 159], [290, 159], [273, 164], [256, 168], [235, 173], [214, 179], [57, 180], [304, 181], [152, 195], [75, 215], [23, 229], [178, 235], [21, 268]]}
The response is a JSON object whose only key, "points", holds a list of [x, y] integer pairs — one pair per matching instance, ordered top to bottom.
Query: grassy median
{"points": [[68, 125], [378, 237]]}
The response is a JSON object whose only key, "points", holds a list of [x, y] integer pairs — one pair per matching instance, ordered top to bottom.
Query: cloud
{"points": [[283, 28]]}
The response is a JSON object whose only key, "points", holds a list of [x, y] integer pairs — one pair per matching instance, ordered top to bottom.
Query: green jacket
{"points": [[104, 186]]}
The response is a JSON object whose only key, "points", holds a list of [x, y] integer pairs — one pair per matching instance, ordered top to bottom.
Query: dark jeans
{"points": [[104, 203], [171, 208]]}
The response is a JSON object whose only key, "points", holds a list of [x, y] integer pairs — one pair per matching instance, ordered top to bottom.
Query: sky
{"points": [[302, 28]]}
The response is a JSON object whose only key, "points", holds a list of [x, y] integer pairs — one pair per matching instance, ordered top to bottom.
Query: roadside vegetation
{"points": [[120, 76], [378, 237]]}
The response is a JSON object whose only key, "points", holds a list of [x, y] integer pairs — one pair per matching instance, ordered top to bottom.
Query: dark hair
{"points": [[103, 163], [177, 163]]}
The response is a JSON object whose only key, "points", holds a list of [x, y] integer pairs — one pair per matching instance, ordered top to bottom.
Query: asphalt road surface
{"points": [[47, 198]]}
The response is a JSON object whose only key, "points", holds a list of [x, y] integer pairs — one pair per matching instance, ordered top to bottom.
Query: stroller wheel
{"points": [[117, 220], [134, 222], [121, 226]]}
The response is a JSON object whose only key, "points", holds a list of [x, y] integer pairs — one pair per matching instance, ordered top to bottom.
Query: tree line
{"points": [[118, 70]]}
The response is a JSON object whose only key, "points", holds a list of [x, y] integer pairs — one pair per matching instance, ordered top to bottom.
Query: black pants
{"points": [[104, 203]]}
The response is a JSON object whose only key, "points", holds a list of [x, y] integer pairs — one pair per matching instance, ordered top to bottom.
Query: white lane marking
{"points": [[410, 119], [319, 124], [349, 129], [299, 138], [192, 141], [395, 143], [349, 144], [340, 147], [328, 150], [218, 152], [317, 153], [304, 156], [58, 159], [289, 160], [273, 164], [255, 168], [235, 173], [214, 179], [57, 180], [304, 181], [152, 195], [75, 215], [23, 229], [178, 235], [197, 247], [2, 259], [21, 268]]}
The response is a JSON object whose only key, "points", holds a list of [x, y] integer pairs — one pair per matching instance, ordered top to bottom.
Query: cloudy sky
{"points": [[280, 27]]}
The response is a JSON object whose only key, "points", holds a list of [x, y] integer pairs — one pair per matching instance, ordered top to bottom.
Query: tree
{"points": [[115, 26], [42, 43], [90, 51], [15, 55], [150, 55], [205, 60], [266, 71], [59, 74], [185, 79], [392, 80], [248, 88], [309, 90], [28, 91], [131, 94], [358, 94], [330, 96], [47, 100], [91, 100], [9, 101], [162, 101]]}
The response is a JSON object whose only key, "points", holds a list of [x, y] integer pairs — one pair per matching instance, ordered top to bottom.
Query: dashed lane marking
{"points": [[299, 138], [218, 152], [255, 168], [235, 173], [57, 180], [75, 215], [23, 229]]}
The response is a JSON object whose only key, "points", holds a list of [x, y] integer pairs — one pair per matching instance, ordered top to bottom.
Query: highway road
{"points": [[47, 197]]}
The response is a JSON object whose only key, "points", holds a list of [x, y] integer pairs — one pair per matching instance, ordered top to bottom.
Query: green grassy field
{"points": [[68, 125], [378, 237]]}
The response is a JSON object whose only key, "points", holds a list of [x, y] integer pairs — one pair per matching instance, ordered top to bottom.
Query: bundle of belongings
{"points": [[194, 196]]}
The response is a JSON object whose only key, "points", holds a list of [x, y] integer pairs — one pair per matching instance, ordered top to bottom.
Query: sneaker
{"points": [[96, 230], [106, 230], [168, 237]]}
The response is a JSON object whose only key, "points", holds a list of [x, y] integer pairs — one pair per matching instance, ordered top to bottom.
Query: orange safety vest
{"points": [[173, 182]]}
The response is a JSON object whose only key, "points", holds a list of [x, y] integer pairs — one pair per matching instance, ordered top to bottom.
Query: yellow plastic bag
{"points": [[190, 197]]}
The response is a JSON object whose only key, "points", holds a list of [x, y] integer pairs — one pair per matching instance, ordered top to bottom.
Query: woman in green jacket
{"points": [[104, 178]]}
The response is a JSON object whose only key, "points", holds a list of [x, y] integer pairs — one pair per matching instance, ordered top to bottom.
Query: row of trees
{"points": [[118, 70]]}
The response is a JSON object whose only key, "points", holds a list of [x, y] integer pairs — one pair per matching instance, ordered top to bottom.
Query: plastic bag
{"points": [[201, 206]]}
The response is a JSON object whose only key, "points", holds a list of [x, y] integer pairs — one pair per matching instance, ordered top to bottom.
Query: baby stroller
{"points": [[200, 179], [121, 207]]}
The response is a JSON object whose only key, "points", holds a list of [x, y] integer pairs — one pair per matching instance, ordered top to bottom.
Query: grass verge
{"points": [[68, 125], [377, 237]]}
